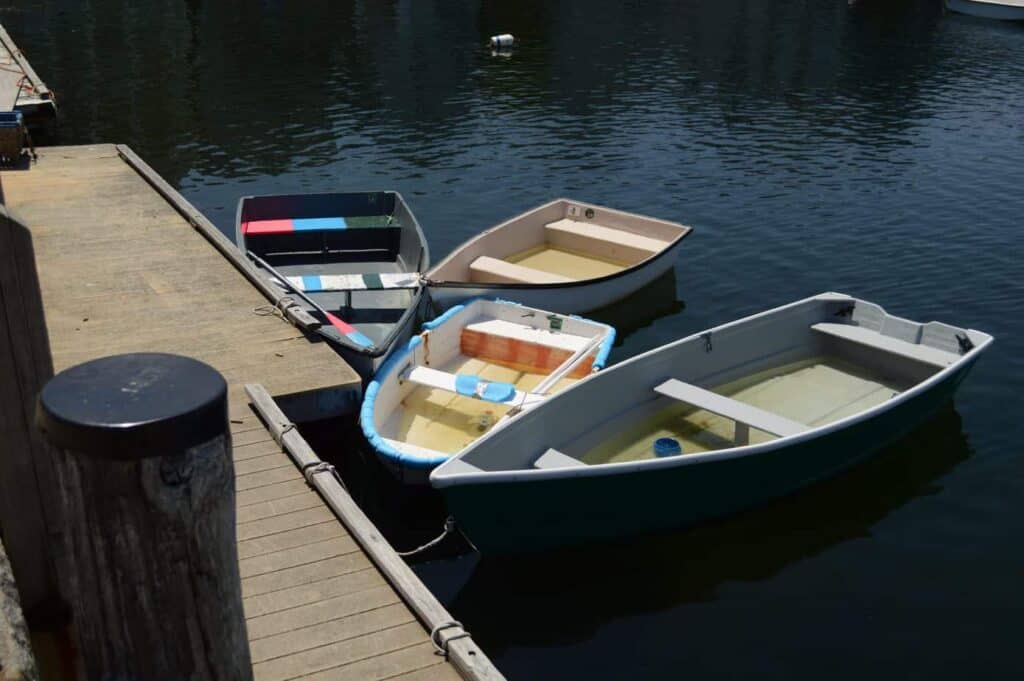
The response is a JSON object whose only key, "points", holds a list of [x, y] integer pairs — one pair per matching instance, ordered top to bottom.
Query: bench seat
{"points": [[590, 238], [486, 269], [355, 282], [895, 346], [442, 380], [743, 414], [556, 459]]}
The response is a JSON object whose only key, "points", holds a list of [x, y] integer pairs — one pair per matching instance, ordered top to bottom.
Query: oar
{"points": [[343, 327]]}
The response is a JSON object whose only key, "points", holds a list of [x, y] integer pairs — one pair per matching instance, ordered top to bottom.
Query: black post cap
{"points": [[134, 406]]}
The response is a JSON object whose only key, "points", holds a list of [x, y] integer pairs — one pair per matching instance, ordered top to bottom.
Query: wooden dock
{"points": [[121, 269]]}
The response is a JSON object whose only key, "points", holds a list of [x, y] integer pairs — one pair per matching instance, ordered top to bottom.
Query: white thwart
{"points": [[570, 229], [488, 269], [358, 282], [529, 334], [878, 341], [442, 380], [730, 408], [556, 459]]}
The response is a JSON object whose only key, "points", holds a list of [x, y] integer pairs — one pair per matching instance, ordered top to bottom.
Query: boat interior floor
{"points": [[566, 263], [813, 392], [447, 422]]}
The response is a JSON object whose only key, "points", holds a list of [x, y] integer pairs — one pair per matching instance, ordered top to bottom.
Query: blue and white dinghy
{"points": [[470, 372], [706, 426]]}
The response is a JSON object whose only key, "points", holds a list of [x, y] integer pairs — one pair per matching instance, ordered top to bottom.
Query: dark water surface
{"points": [[877, 151]]}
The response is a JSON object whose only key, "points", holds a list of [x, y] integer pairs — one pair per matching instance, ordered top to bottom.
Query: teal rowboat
{"points": [[706, 426]]}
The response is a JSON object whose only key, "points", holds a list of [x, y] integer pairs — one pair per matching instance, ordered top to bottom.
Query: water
{"points": [[873, 150]]}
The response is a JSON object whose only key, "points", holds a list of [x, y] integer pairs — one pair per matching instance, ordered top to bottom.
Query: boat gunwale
{"points": [[456, 283], [387, 343], [440, 478]]}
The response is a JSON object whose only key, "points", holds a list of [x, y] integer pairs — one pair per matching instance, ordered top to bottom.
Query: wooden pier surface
{"points": [[121, 270]]}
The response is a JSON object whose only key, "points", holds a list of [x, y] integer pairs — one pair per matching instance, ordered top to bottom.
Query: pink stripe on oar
{"points": [[284, 226], [339, 324], [349, 331]]}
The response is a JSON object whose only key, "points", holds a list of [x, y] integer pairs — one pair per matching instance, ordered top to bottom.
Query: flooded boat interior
{"points": [[558, 243], [779, 374], [838, 374], [813, 392], [445, 421]]}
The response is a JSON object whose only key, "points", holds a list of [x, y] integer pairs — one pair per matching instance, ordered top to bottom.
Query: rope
{"points": [[277, 310], [315, 467], [449, 527], [441, 645]]}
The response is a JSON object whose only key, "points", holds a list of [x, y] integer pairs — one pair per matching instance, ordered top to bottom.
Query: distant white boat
{"points": [[1012, 10]]}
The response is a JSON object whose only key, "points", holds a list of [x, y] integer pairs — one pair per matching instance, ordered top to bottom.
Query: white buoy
{"points": [[504, 40]]}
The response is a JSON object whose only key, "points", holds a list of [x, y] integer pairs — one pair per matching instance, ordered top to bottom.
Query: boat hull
{"points": [[987, 10], [574, 298], [568, 511]]}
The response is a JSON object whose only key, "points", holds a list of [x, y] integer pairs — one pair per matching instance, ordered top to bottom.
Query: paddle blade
{"points": [[348, 331]]}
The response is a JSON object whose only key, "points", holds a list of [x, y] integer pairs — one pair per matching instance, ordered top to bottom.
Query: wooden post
{"points": [[148, 492], [28, 524], [16, 660]]}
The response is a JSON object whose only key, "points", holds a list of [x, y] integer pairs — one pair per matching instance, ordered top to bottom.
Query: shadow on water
{"points": [[641, 309], [539, 605]]}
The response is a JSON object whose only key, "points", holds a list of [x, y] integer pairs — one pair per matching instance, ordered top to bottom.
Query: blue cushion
{"points": [[467, 384]]}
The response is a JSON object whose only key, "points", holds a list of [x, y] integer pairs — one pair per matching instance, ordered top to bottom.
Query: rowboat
{"points": [[990, 9], [565, 255], [353, 260], [471, 371], [707, 425]]}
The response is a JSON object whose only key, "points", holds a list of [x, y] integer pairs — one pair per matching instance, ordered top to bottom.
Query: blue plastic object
{"points": [[10, 119], [467, 384], [667, 446]]}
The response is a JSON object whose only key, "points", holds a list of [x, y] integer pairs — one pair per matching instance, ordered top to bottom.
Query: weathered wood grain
{"points": [[125, 268], [28, 524], [155, 588], [467, 657], [17, 662]]}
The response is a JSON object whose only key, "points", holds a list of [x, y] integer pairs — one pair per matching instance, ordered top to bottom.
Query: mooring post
{"points": [[148, 492]]}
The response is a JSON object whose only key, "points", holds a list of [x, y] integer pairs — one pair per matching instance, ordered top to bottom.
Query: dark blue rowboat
{"points": [[353, 260]]}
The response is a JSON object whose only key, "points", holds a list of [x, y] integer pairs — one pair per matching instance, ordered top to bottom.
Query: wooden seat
{"points": [[590, 238], [493, 271], [895, 346], [745, 415]]}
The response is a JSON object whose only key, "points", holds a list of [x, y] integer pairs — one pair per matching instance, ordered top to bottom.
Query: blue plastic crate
{"points": [[12, 136]]}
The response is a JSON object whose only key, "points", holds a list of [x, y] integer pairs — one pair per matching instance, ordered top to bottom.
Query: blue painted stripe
{"points": [[318, 224], [311, 282], [359, 338]]}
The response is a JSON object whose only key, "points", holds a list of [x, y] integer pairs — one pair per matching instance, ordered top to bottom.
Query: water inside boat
{"points": [[567, 263], [813, 392], [448, 422]]}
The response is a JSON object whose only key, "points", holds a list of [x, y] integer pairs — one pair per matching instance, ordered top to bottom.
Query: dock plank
{"points": [[121, 270], [276, 561], [305, 574], [320, 612], [338, 654]]}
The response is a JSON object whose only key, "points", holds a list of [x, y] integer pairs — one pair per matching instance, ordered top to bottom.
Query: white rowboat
{"points": [[565, 255], [473, 370], [708, 425]]}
